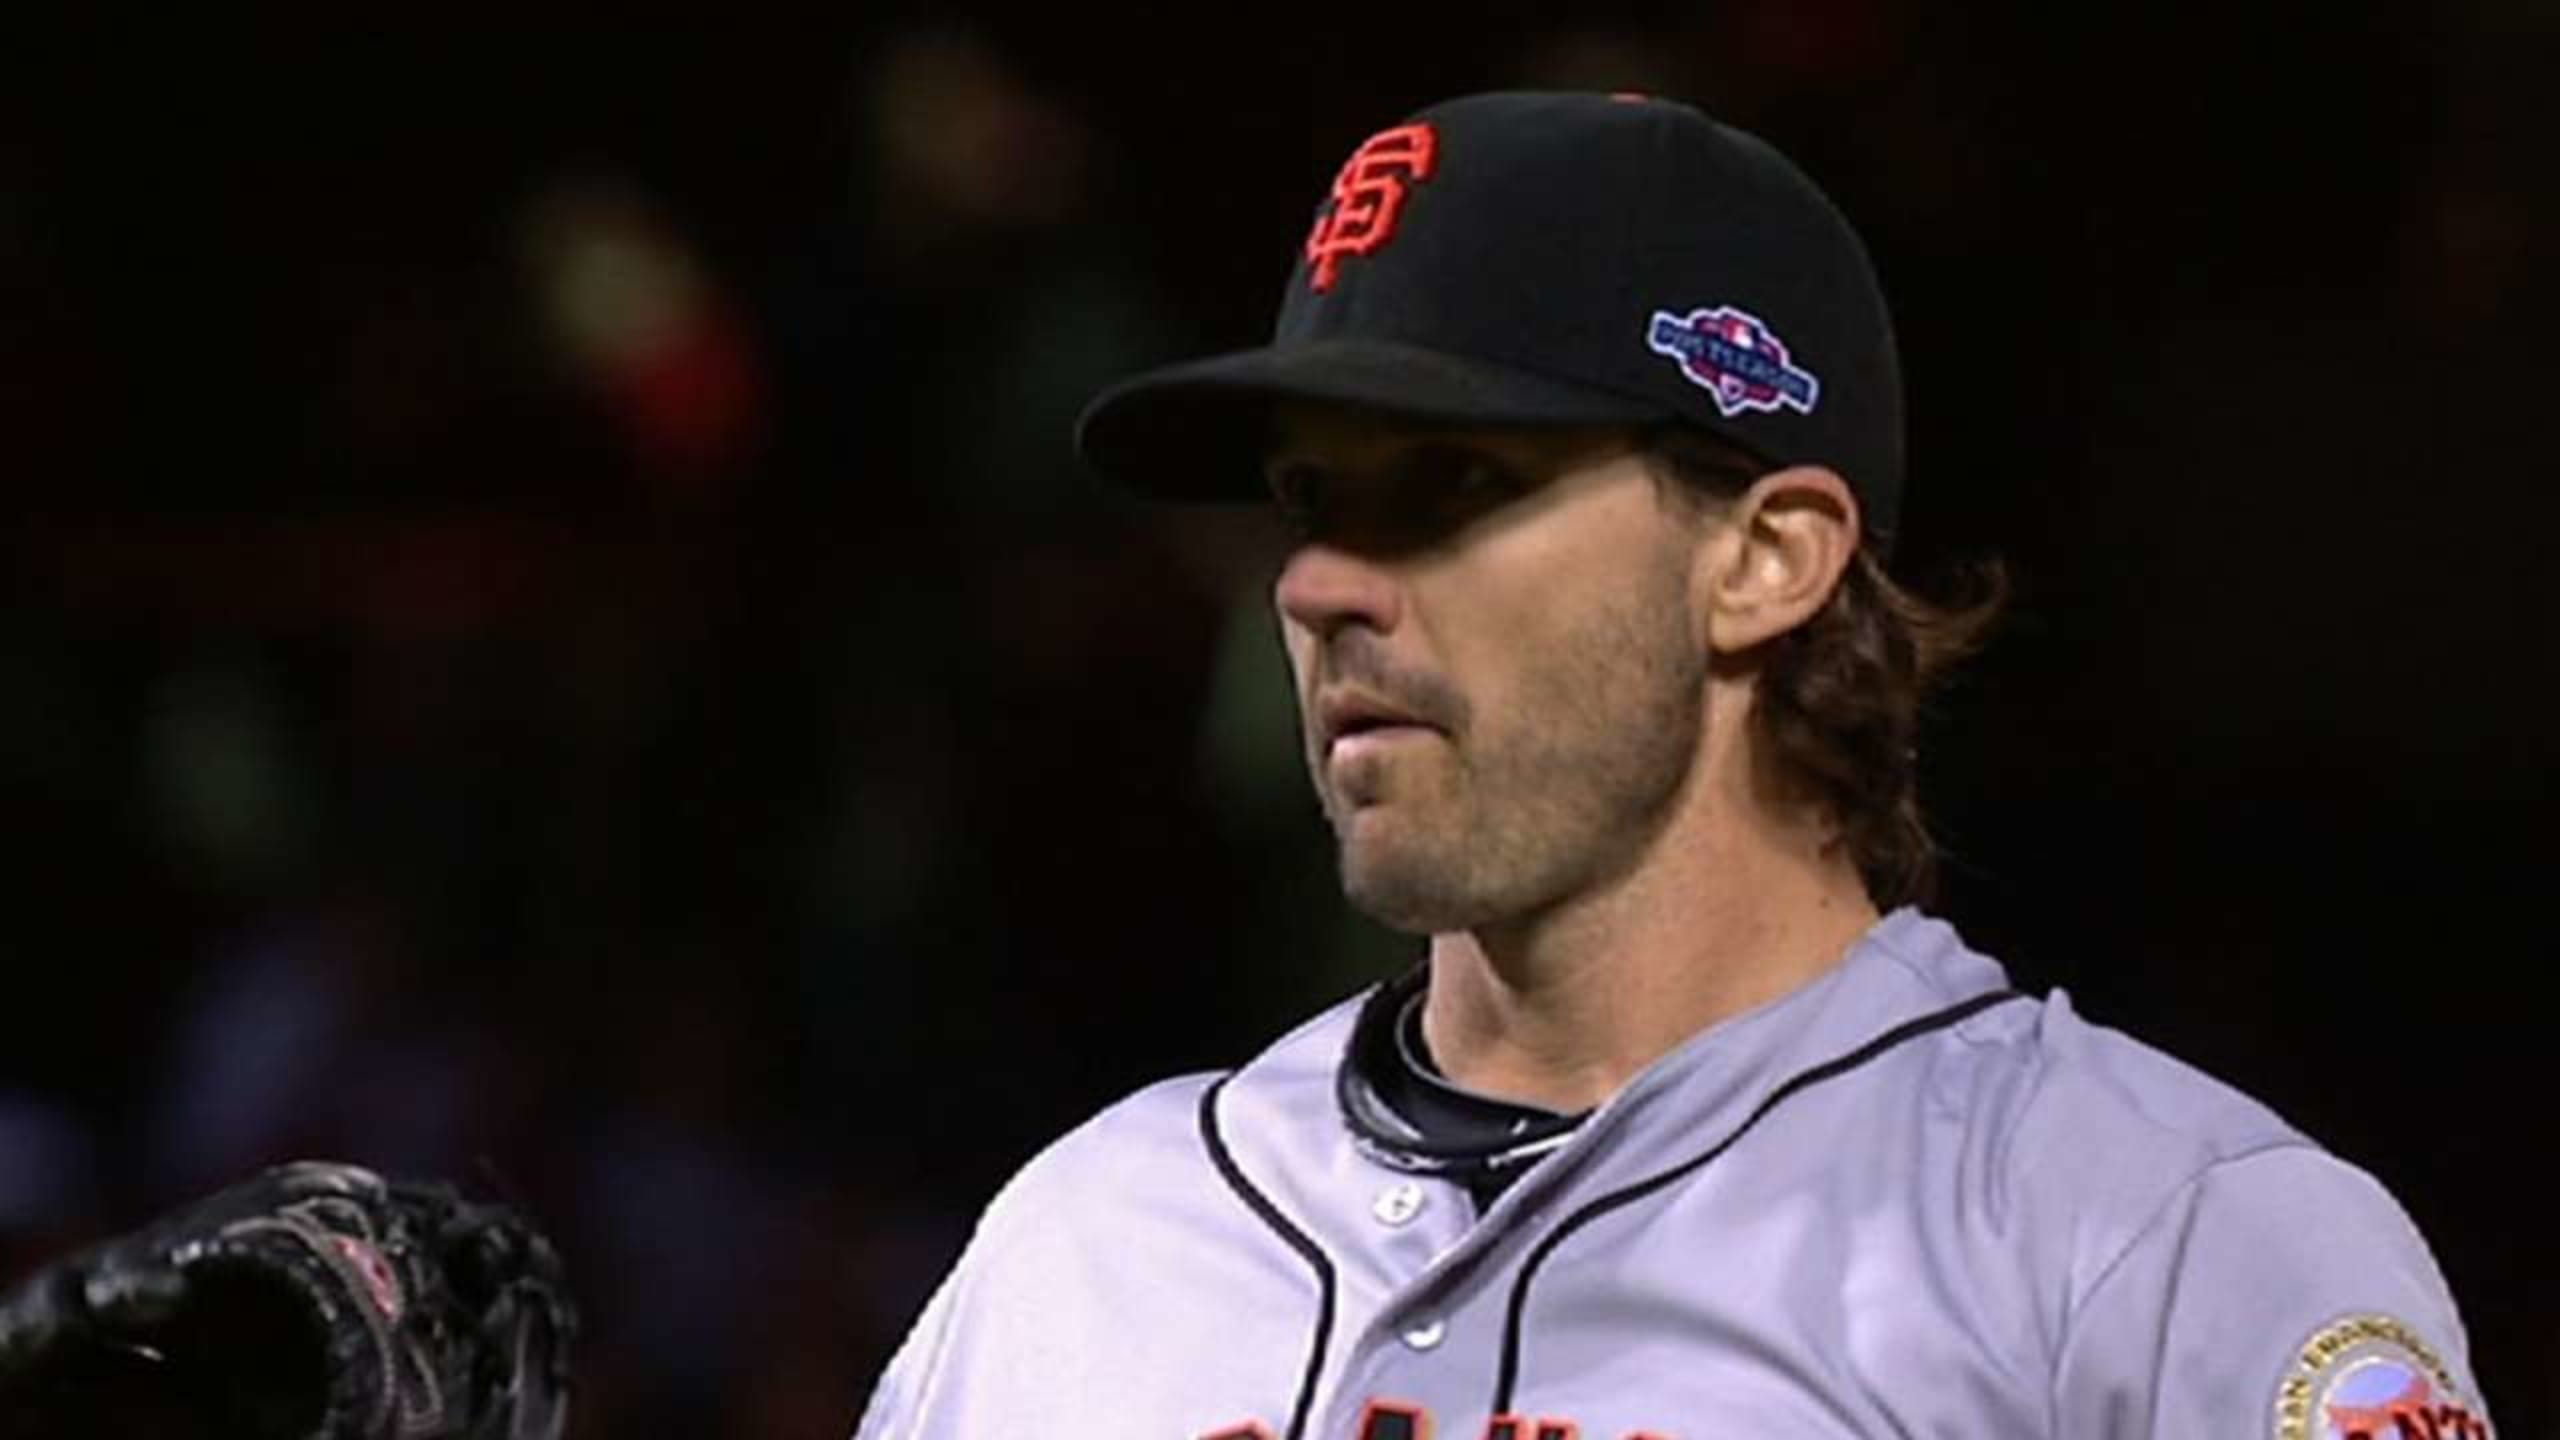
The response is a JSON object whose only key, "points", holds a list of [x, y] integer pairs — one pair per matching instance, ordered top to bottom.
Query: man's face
{"points": [[1500, 685]]}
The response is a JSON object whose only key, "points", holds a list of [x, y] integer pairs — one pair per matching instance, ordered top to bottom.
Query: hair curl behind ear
{"points": [[1842, 697]]}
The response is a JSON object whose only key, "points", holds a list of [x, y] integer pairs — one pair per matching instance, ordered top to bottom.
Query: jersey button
{"points": [[1398, 1203], [1425, 1335]]}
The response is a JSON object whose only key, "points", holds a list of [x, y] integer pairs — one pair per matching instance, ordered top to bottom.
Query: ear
{"points": [[1775, 556]]}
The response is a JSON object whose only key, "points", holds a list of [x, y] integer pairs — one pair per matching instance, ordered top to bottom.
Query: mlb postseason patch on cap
{"points": [[1734, 356], [2371, 1377]]}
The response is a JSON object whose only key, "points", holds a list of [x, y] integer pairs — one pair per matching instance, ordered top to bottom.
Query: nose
{"points": [[1326, 588]]}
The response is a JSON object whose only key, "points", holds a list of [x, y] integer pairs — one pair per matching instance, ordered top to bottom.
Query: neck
{"points": [[1560, 1009]]}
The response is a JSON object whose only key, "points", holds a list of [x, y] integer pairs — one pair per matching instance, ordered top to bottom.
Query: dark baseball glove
{"points": [[314, 1302]]}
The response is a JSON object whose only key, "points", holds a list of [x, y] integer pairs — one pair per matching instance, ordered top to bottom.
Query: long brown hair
{"points": [[1842, 697]]}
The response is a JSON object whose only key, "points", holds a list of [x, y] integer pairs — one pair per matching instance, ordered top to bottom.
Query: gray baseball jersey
{"points": [[1902, 1200]]}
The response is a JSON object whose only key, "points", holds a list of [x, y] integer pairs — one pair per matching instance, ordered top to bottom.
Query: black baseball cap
{"points": [[1551, 259]]}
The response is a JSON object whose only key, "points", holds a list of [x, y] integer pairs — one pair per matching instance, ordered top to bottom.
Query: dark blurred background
{"points": [[552, 634]]}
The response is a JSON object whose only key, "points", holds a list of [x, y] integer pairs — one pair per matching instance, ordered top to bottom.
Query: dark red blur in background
{"points": [[553, 635]]}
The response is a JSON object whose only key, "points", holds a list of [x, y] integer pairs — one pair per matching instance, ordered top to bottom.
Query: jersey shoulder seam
{"points": [[1969, 1030], [2160, 1213]]}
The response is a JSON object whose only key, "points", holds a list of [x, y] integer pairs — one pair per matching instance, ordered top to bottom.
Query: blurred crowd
{"points": [[553, 636], [668, 739]]}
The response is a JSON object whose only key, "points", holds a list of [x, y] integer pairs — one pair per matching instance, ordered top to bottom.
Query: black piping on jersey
{"points": [[1260, 1204], [1506, 1378]]}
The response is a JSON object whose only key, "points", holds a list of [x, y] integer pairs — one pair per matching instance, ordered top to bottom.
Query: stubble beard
{"points": [[1545, 801]]}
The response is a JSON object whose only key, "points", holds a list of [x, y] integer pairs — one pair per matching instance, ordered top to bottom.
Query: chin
{"points": [[1407, 889]]}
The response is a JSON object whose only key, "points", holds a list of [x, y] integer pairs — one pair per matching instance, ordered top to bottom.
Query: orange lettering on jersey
{"points": [[1368, 197], [1386, 1420], [1390, 1420], [1521, 1427]]}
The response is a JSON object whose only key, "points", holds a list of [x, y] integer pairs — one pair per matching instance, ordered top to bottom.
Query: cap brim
{"points": [[1197, 431]]}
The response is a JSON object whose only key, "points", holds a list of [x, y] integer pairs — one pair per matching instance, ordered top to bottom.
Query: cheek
{"points": [[1488, 646], [1562, 649]]}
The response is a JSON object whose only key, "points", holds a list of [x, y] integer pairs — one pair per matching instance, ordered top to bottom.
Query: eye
{"points": [[1484, 478], [1458, 480], [1298, 492], [1421, 496]]}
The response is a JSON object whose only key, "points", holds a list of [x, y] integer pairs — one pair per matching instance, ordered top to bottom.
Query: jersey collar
{"points": [[1404, 1114], [1284, 1118]]}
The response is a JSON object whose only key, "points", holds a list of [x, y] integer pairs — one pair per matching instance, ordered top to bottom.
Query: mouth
{"points": [[1346, 718]]}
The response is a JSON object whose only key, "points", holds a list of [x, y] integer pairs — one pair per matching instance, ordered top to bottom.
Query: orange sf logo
{"points": [[1367, 197]]}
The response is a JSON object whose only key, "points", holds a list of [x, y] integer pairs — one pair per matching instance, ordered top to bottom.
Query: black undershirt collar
{"points": [[1406, 1114]]}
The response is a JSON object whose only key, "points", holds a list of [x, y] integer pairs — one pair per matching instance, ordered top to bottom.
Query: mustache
{"points": [[1354, 656]]}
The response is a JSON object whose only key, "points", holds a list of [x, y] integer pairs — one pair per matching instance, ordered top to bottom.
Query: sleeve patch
{"points": [[2372, 1377]]}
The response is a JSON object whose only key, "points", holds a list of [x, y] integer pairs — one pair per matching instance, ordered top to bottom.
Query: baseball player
{"points": [[1688, 1122]]}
